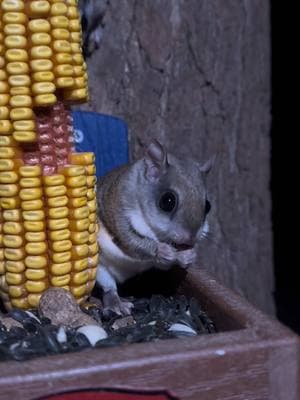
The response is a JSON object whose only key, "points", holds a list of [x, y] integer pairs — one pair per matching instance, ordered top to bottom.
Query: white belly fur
{"points": [[120, 265]]}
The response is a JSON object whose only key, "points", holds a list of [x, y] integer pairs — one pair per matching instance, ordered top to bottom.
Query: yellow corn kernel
{"points": [[12, 5], [38, 8], [58, 8], [72, 12], [14, 18], [59, 21], [39, 25], [75, 25], [14, 29], [60, 34], [75, 37], [40, 39], [15, 42], [61, 46], [39, 52], [13, 55], [63, 58], [2, 59], [78, 60], [41, 65], [17, 68], [63, 70], [43, 76], [19, 80], [65, 82], [80, 82], [43, 87], [4, 88], [19, 91], [76, 95], [4, 99], [45, 99], [20, 101], [4, 112], [17, 114], [25, 125], [5, 127], [24, 136], [7, 141], [9, 152], [82, 158], [91, 169], [72, 170], [30, 171], [8, 177], [54, 180], [76, 181], [91, 181], [30, 182], [8, 190], [53, 191], [31, 193], [58, 201], [77, 202], [10, 203], [32, 205], [92, 205], [58, 212], [79, 213], [12, 215], [35, 215], [93, 218], [55, 224], [79, 224], [34, 226], [12, 228], [92, 228], [62, 234], [35, 236], [79, 237], [93, 238], [13, 241], [61, 246], [36, 248], [93, 249], [79, 251], [2, 254], [14, 254], [59, 258], [93, 260], [36, 261], [80, 265], [15, 266], [61, 268], [35, 274], [92, 274], [81, 277], [14, 279], [60, 280], [35, 287], [16, 291], [78, 291], [34, 299], [20, 303]]}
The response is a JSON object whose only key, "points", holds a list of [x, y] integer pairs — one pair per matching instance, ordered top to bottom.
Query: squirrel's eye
{"points": [[168, 202], [207, 207]]}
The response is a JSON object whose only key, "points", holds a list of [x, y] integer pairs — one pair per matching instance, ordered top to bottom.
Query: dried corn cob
{"points": [[48, 223]]}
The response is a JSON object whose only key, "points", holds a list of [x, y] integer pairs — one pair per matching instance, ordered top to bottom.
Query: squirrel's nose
{"points": [[184, 238]]}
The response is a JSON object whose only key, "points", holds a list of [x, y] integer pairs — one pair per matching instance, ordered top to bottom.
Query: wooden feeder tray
{"points": [[251, 357]]}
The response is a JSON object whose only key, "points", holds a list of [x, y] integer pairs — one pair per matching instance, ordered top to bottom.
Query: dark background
{"points": [[285, 112]]}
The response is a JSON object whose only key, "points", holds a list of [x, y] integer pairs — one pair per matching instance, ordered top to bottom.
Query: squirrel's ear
{"points": [[155, 160], [207, 166]]}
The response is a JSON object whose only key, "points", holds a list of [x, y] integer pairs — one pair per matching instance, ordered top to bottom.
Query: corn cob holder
{"points": [[48, 223]]}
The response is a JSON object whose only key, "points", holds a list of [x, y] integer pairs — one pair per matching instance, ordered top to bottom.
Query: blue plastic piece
{"points": [[105, 135]]}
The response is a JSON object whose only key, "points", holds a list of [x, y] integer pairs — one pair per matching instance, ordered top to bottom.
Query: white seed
{"points": [[181, 328], [93, 333], [61, 335]]}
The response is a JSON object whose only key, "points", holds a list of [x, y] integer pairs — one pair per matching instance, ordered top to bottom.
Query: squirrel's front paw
{"points": [[166, 253], [187, 257]]}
